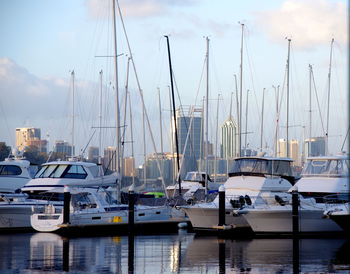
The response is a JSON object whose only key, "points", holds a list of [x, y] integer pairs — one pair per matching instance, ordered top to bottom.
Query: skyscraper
{"points": [[23, 135], [229, 140], [192, 149]]}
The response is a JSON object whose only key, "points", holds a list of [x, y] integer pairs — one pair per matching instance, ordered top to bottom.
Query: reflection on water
{"points": [[174, 253]]}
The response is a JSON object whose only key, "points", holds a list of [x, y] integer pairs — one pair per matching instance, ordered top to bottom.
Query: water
{"points": [[173, 253]]}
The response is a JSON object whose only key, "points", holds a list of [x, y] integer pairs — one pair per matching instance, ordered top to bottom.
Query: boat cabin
{"points": [[263, 166]]}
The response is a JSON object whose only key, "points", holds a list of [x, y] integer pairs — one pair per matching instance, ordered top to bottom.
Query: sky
{"points": [[42, 42]]}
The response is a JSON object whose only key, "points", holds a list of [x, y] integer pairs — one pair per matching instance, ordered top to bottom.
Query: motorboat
{"points": [[15, 172], [76, 173], [323, 176], [249, 177], [94, 209], [15, 210], [338, 210], [273, 214]]}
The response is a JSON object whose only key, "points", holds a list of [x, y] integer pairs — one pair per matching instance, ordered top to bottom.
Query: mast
{"points": [[73, 78], [240, 92], [329, 92], [116, 95], [310, 110], [174, 112], [100, 116], [277, 120], [206, 121], [262, 121], [160, 122], [246, 125], [287, 127], [172, 130], [238, 132], [216, 138], [132, 141]]}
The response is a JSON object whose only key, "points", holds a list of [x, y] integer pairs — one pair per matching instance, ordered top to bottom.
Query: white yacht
{"points": [[14, 173], [58, 174], [324, 175], [249, 177], [94, 209], [15, 210], [273, 215]]}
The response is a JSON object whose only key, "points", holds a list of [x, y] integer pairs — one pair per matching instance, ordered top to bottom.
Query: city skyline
{"points": [[35, 83]]}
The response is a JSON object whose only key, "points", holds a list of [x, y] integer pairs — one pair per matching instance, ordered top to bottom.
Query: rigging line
{"points": [[141, 95], [318, 103], [346, 136]]}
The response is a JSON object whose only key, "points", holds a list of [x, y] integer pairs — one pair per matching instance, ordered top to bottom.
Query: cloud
{"points": [[135, 8], [308, 23], [28, 94]]}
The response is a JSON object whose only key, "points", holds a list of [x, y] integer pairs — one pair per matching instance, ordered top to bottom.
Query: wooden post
{"points": [[66, 205], [221, 205]]}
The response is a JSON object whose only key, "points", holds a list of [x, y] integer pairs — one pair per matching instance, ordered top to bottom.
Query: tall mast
{"points": [[289, 40], [73, 78], [240, 92], [329, 92], [116, 93], [310, 103], [174, 112], [206, 121], [262, 121], [160, 122], [100, 125], [246, 125], [238, 131], [216, 139], [132, 142]]}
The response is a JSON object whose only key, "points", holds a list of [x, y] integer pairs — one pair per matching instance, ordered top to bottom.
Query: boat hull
{"points": [[281, 221]]}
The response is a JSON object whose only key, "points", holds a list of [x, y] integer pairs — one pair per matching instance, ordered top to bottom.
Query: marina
{"points": [[165, 137]]}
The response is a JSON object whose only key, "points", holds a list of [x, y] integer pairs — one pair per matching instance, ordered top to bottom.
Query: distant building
{"points": [[192, 123], [23, 135], [229, 140], [40, 144], [315, 146], [63, 147], [293, 150], [93, 154], [110, 158], [129, 167]]}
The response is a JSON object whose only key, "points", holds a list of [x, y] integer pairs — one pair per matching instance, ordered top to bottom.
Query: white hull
{"points": [[208, 218], [281, 221], [49, 222]]}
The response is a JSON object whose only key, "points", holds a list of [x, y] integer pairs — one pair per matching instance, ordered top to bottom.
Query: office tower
{"points": [[23, 135], [229, 139], [315, 146], [63, 147], [293, 150], [93, 154]]}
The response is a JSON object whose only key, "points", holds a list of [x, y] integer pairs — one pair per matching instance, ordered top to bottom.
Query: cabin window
{"points": [[10, 170], [94, 170], [59, 171], [75, 171]]}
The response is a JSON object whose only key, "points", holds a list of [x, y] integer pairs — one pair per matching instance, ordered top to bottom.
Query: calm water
{"points": [[175, 253]]}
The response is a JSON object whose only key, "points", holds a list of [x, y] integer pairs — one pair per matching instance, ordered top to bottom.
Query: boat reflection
{"points": [[174, 253]]}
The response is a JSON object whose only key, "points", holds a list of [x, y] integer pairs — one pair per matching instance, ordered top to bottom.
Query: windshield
{"points": [[262, 166], [327, 167], [62, 171]]}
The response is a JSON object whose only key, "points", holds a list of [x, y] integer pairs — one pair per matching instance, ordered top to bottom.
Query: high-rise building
{"points": [[184, 125], [23, 135], [229, 140], [315, 146], [63, 147], [293, 150], [93, 154], [110, 158], [129, 167]]}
